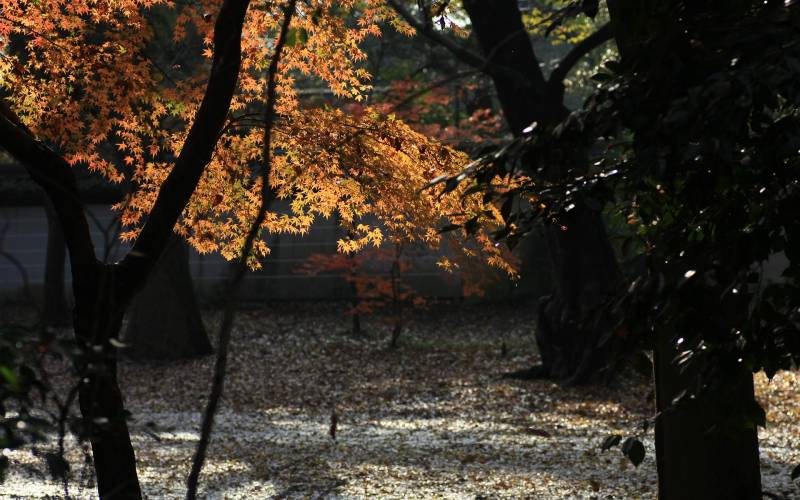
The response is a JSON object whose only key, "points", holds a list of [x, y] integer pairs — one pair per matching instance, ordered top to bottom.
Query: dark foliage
{"points": [[694, 137]]}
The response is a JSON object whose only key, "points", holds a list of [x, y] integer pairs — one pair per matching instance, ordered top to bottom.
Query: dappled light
{"points": [[399, 249], [431, 419]]}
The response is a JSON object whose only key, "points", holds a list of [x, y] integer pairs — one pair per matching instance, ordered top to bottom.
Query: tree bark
{"points": [[584, 267], [102, 292], [99, 308], [55, 312], [164, 322], [573, 331], [698, 453], [696, 456]]}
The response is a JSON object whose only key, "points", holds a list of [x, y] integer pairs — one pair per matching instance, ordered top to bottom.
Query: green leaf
{"points": [[590, 7], [614, 66], [10, 377], [634, 450]]}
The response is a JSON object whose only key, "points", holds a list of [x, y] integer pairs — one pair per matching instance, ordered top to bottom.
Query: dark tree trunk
{"points": [[524, 94], [583, 264], [102, 292], [355, 302], [397, 304], [99, 308], [55, 312], [164, 321], [572, 322], [397, 329], [700, 452], [698, 455]]}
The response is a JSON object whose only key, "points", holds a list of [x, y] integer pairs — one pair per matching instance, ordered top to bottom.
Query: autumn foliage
{"points": [[82, 75]]}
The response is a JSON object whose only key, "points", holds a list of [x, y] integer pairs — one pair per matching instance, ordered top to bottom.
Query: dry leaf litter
{"points": [[432, 419]]}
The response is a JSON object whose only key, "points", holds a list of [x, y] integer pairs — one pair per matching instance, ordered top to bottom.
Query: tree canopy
{"points": [[83, 78]]}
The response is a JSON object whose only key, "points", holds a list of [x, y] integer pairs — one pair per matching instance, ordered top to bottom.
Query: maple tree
{"points": [[80, 88], [83, 96], [432, 108], [372, 288]]}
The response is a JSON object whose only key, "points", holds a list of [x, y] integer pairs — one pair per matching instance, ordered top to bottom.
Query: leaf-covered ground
{"points": [[431, 419]]}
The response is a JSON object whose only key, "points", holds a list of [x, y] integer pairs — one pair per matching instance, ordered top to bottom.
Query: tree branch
{"points": [[582, 48], [467, 57], [487, 65], [438, 83], [200, 142], [55, 175], [267, 196]]}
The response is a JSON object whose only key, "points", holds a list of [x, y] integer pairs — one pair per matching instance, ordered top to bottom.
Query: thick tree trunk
{"points": [[584, 267], [102, 292], [55, 312], [98, 318], [164, 322], [572, 323], [697, 454]]}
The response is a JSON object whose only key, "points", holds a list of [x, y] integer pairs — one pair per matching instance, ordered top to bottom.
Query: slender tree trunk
{"points": [[584, 267], [102, 292], [355, 302], [397, 305], [55, 312], [98, 318], [164, 322]]}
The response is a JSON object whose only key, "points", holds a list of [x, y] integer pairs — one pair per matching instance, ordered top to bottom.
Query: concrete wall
{"points": [[23, 236]]}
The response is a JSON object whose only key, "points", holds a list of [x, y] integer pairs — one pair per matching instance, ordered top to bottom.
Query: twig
{"points": [[585, 46], [468, 57], [482, 64], [241, 268]]}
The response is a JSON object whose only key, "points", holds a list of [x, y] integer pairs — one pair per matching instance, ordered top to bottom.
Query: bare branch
{"points": [[582, 48], [466, 56], [55, 175], [178, 187], [218, 381]]}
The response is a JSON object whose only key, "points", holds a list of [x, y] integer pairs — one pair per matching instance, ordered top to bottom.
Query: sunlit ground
{"points": [[430, 420]]}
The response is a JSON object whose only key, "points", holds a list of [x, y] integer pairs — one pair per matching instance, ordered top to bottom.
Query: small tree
{"points": [[188, 140], [372, 288]]}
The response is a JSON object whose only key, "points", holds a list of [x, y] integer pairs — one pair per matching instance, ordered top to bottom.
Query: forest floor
{"points": [[431, 419]]}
